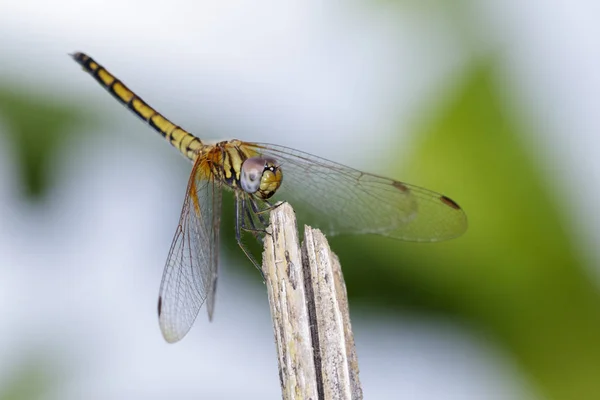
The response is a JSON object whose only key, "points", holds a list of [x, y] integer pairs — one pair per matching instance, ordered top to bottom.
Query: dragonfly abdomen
{"points": [[188, 144]]}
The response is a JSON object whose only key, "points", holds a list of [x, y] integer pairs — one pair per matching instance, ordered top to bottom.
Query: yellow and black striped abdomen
{"points": [[181, 139]]}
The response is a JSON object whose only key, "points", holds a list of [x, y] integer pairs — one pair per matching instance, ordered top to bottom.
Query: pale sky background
{"points": [[322, 78]]}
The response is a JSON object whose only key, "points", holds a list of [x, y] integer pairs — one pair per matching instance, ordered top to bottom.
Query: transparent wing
{"points": [[340, 199], [190, 274]]}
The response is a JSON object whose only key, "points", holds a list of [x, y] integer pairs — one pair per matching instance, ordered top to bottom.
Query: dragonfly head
{"points": [[261, 176]]}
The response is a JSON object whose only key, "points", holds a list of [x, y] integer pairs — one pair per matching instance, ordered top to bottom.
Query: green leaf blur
{"points": [[39, 125], [515, 275]]}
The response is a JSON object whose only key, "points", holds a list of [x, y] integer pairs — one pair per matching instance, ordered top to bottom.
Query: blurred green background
{"points": [[521, 279]]}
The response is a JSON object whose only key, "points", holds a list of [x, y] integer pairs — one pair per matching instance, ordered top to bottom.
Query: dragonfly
{"points": [[336, 198]]}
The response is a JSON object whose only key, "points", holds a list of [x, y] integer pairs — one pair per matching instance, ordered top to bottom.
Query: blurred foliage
{"points": [[39, 125], [515, 274], [31, 380]]}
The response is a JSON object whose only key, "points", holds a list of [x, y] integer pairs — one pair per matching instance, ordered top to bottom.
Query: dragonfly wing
{"points": [[216, 193], [339, 199], [190, 273]]}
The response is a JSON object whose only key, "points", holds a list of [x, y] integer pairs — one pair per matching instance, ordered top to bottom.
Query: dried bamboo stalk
{"points": [[309, 307]]}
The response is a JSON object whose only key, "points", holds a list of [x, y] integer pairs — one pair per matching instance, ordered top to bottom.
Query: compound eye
{"points": [[251, 174], [271, 179]]}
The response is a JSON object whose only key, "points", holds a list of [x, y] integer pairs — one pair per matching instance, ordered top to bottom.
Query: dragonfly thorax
{"points": [[260, 176]]}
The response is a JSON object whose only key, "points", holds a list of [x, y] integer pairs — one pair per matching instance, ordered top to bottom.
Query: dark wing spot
{"points": [[400, 185], [449, 202], [159, 305]]}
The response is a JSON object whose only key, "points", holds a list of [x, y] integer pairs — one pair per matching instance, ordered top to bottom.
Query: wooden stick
{"points": [[309, 306]]}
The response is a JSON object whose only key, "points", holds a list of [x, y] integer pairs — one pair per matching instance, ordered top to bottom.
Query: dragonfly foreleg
{"points": [[267, 209], [260, 213], [240, 226], [253, 229]]}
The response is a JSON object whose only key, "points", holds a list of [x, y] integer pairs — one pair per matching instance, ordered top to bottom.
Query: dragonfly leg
{"points": [[270, 207], [260, 213], [240, 227], [252, 228], [256, 232]]}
